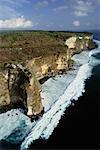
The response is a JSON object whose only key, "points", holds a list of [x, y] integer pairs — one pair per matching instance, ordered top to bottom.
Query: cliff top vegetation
{"points": [[19, 46]]}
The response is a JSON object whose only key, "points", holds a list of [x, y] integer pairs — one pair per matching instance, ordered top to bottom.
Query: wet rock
{"points": [[20, 87]]}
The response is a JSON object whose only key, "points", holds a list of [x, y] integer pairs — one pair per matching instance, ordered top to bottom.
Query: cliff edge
{"points": [[28, 57]]}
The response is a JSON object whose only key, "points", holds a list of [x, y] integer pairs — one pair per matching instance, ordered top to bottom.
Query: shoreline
{"points": [[86, 74], [69, 76], [62, 96], [26, 143]]}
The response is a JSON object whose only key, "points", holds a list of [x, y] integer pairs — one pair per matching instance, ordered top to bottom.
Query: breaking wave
{"points": [[72, 87], [57, 95], [45, 127]]}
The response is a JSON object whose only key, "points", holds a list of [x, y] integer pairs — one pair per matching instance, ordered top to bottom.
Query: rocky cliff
{"points": [[59, 62], [19, 84]]}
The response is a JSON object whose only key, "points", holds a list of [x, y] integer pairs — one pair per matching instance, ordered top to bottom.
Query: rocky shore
{"points": [[22, 68]]}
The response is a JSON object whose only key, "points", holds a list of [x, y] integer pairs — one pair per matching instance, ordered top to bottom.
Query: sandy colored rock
{"points": [[71, 42], [49, 65], [22, 88], [4, 92], [34, 102]]}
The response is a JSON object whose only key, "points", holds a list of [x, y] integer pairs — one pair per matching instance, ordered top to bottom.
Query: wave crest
{"points": [[50, 120]]}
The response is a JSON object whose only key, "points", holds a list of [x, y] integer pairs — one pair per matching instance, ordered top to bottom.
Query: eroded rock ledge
{"points": [[19, 84]]}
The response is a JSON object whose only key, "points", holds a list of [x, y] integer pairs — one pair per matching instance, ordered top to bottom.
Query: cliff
{"points": [[50, 55], [59, 62]]}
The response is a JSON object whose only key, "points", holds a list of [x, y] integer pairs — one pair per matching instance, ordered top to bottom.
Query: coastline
{"points": [[77, 65], [84, 73], [46, 133]]}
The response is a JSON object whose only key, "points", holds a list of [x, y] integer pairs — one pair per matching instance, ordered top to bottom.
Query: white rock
{"points": [[70, 42]]}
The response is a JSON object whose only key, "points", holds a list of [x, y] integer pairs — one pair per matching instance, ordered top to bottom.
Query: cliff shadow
{"points": [[18, 94]]}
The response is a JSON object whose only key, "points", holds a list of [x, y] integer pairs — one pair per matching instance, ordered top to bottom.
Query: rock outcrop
{"points": [[59, 62], [49, 65], [19, 85], [22, 90], [4, 91]]}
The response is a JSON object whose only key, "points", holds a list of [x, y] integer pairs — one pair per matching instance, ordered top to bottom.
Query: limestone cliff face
{"points": [[79, 43], [56, 63], [49, 65], [20, 86], [20, 89], [4, 92], [34, 102]]}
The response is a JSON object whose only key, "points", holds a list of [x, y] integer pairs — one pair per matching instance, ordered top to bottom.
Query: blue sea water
{"points": [[96, 34], [78, 127]]}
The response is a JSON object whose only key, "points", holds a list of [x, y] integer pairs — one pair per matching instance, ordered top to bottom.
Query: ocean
{"points": [[78, 127]]}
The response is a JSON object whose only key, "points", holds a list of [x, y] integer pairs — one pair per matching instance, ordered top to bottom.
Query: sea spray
{"points": [[94, 56], [69, 86], [49, 121], [46, 125], [14, 126]]}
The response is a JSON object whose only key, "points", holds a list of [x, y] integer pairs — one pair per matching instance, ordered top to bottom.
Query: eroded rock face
{"points": [[71, 42], [80, 42], [58, 62], [49, 65], [20, 87], [22, 91], [4, 92], [34, 102]]}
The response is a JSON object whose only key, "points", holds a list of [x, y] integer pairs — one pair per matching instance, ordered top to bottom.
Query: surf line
{"points": [[45, 126]]}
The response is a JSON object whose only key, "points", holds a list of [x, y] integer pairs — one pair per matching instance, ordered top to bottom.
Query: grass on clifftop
{"points": [[19, 46]]}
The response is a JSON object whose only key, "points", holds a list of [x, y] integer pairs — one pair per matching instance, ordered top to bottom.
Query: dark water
{"points": [[96, 34], [78, 128]]}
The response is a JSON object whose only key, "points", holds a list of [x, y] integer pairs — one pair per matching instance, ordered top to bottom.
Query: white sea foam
{"points": [[96, 50], [94, 55], [57, 95], [50, 119]]}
